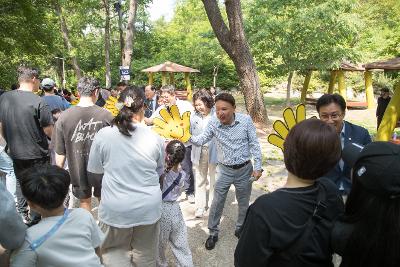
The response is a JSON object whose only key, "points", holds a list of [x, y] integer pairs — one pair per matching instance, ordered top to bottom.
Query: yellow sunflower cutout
{"points": [[111, 105], [172, 125], [282, 128]]}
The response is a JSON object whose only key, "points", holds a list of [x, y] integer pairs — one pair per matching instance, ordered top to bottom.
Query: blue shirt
{"points": [[55, 101], [236, 142]]}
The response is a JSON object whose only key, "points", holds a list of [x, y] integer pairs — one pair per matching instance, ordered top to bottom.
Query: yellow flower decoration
{"points": [[75, 101], [111, 105], [173, 125], [282, 128]]}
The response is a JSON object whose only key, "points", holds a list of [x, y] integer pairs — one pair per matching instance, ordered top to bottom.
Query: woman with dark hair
{"points": [[130, 155], [204, 158], [291, 226], [368, 235]]}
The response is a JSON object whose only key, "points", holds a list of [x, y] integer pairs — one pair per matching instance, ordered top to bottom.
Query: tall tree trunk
{"points": [[120, 29], [129, 34], [67, 42], [234, 42], [107, 44], [289, 87]]}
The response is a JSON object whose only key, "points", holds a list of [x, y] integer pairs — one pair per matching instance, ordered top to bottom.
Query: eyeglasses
{"points": [[333, 116]]}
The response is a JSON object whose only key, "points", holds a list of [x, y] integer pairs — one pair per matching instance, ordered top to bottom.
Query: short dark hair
{"points": [[26, 73], [121, 84], [86, 85], [152, 87], [170, 89], [385, 89], [204, 96], [226, 97], [327, 99], [124, 118], [311, 149], [45, 185]]}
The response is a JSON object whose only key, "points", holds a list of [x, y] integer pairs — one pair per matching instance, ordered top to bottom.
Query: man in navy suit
{"points": [[151, 100], [331, 109]]}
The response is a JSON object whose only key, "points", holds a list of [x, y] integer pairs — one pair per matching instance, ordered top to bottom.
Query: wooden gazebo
{"points": [[171, 68], [338, 74], [392, 113]]}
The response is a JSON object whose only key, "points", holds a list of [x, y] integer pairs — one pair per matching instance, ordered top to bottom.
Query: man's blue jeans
{"points": [[6, 166]]}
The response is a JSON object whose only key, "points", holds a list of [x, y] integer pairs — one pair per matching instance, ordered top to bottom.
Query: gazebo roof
{"points": [[390, 64], [347, 66], [169, 67]]}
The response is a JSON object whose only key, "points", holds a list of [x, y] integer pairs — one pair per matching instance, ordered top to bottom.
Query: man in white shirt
{"points": [[167, 94]]}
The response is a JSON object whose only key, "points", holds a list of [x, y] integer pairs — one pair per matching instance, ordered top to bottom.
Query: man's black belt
{"points": [[237, 166]]}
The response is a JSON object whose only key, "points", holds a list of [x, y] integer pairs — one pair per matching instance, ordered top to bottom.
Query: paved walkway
{"points": [[222, 254]]}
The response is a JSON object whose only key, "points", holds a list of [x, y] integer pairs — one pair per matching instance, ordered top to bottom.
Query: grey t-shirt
{"points": [[23, 116], [73, 136], [130, 193], [12, 228], [73, 244]]}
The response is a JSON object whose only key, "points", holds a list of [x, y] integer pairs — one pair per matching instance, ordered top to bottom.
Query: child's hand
{"points": [[172, 125]]}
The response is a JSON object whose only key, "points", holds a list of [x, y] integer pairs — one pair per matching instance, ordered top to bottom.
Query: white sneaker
{"points": [[190, 198], [199, 213]]}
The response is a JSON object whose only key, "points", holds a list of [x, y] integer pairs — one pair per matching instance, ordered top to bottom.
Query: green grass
{"points": [[270, 101], [280, 101]]}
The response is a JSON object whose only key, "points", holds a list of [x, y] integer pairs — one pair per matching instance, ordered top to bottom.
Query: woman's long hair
{"points": [[124, 118], [375, 239]]}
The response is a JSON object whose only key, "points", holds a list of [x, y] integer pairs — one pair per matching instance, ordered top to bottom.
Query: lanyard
{"points": [[38, 242]]}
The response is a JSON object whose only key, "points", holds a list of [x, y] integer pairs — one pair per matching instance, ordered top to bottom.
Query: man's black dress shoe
{"points": [[210, 242]]}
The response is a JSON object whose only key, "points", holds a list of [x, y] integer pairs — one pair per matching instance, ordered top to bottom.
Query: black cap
{"points": [[376, 166]]}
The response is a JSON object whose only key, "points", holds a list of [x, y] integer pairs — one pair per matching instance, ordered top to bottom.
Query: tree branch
{"points": [[217, 23]]}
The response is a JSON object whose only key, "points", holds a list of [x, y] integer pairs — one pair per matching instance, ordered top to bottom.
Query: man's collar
{"points": [[234, 122], [343, 129]]}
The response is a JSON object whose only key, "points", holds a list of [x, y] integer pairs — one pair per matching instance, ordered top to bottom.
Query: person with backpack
{"points": [[172, 224], [291, 226]]}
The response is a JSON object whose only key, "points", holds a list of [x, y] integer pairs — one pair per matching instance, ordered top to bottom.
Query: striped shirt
{"points": [[236, 142]]}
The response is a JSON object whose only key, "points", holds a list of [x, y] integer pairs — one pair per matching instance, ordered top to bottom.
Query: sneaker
{"points": [[190, 198], [199, 213], [210, 242]]}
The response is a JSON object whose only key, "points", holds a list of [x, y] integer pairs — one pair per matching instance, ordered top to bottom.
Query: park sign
{"points": [[125, 73]]}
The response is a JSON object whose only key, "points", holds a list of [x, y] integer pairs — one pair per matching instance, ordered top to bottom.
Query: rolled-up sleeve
{"points": [[255, 148]]}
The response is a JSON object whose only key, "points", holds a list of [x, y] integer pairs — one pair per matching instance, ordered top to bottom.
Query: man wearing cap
{"points": [[54, 101], [331, 109], [25, 124], [73, 136]]}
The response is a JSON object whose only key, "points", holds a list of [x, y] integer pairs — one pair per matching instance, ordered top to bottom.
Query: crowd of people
{"points": [[342, 193]]}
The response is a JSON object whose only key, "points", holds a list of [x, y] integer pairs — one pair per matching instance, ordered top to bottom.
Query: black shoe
{"points": [[237, 233], [210, 242]]}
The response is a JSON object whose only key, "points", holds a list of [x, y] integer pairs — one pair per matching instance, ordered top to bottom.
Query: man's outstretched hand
{"points": [[173, 125]]}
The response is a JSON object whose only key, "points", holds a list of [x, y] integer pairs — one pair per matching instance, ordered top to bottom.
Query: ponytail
{"points": [[131, 101]]}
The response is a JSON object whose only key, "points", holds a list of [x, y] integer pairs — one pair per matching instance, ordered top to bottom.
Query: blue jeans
{"points": [[6, 166], [240, 178]]}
